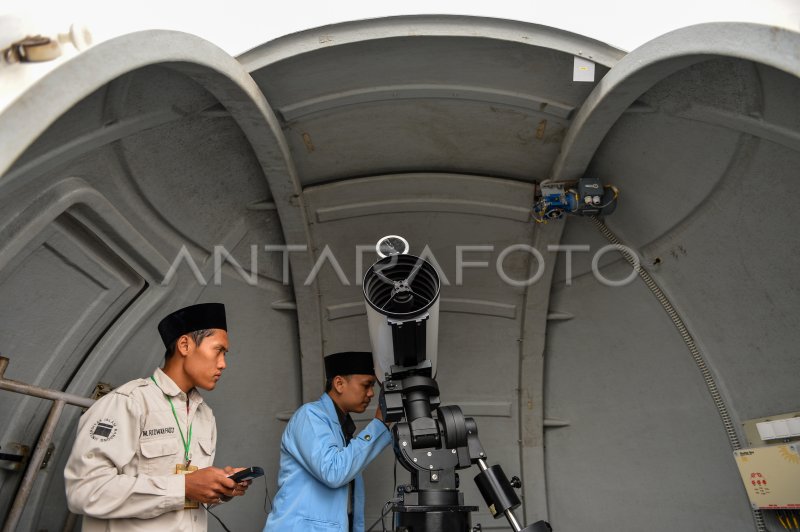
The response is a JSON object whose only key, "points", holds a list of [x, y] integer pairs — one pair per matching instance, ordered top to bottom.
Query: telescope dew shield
{"points": [[402, 295]]}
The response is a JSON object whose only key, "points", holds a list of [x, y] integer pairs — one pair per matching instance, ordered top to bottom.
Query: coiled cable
{"points": [[708, 377]]}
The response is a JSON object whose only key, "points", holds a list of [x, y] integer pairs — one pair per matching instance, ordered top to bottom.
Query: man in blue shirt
{"points": [[319, 484]]}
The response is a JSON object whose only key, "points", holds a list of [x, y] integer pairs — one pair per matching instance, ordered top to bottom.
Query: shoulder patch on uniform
{"points": [[128, 387], [103, 429]]}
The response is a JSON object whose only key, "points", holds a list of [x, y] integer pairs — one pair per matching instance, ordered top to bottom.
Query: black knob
{"points": [[515, 482]]}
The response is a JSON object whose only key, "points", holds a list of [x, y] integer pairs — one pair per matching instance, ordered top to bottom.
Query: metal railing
{"points": [[60, 399]]}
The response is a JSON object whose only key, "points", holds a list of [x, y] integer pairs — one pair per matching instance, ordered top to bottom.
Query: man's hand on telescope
{"points": [[379, 415]]}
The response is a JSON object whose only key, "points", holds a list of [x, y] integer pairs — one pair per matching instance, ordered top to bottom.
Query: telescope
{"points": [[431, 441]]}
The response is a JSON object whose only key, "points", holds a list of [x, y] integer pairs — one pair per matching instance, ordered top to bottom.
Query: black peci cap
{"points": [[190, 319], [349, 363]]}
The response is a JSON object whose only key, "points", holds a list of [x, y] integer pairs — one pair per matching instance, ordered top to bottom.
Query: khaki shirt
{"points": [[121, 472]]}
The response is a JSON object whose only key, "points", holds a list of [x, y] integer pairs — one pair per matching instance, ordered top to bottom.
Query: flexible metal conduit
{"points": [[688, 340], [60, 399]]}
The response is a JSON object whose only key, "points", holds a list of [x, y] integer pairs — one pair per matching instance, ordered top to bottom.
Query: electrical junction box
{"points": [[770, 430], [771, 475]]}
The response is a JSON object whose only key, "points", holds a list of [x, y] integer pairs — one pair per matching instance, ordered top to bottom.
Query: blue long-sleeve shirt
{"points": [[316, 468]]}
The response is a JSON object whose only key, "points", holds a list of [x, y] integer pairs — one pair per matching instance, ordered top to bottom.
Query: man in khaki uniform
{"points": [[142, 458]]}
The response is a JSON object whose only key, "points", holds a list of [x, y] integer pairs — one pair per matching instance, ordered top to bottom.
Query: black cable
{"points": [[394, 483], [266, 496], [388, 505], [384, 511], [217, 518]]}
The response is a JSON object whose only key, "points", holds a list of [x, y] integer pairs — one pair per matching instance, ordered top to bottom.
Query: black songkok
{"points": [[190, 319], [349, 363]]}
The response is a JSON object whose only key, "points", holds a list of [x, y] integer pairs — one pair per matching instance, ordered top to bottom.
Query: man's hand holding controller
{"points": [[211, 485]]}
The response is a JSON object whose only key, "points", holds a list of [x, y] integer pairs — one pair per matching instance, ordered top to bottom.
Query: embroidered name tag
{"points": [[155, 432]]}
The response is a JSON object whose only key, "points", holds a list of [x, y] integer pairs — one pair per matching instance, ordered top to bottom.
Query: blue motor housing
{"points": [[586, 197]]}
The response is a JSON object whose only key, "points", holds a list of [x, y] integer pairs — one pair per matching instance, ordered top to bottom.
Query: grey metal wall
{"points": [[705, 161], [95, 213]]}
